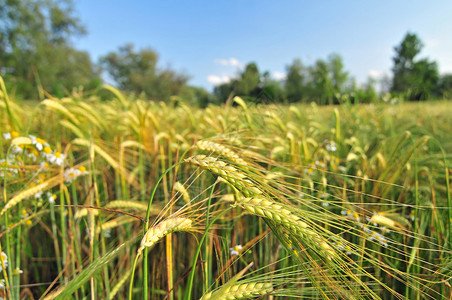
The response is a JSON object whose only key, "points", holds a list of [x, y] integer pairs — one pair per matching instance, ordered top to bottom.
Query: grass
{"points": [[230, 202]]}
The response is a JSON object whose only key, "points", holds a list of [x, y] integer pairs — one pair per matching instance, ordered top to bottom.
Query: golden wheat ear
{"points": [[159, 231]]}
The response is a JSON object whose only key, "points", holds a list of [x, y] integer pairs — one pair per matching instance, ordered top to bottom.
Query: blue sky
{"points": [[212, 40]]}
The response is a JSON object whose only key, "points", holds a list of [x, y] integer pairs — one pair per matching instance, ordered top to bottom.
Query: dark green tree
{"points": [[35, 47], [137, 72], [338, 75], [414, 79], [327, 80], [248, 84], [295, 84], [320, 85], [445, 86], [271, 90], [224, 91], [365, 93], [196, 95]]}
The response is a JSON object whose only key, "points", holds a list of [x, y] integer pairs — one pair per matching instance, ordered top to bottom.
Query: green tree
{"points": [[35, 47], [138, 72], [338, 75], [415, 79], [327, 80], [248, 84], [295, 85], [321, 86], [445, 86], [271, 90], [224, 91], [365, 93], [196, 95]]}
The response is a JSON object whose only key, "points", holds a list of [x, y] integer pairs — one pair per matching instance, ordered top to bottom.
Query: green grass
{"points": [[358, 200]]}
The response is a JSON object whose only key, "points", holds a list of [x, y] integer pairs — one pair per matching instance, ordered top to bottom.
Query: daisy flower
{"points": [[7, 136], [38, 142], [331, 146], [56, 158], [72, 173], [51, 198], [235, 250], [17, 271]]}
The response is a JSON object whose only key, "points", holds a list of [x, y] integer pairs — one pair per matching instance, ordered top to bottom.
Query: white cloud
{"points": [[233, 62], [376, 73], [279, 75], [214, 79]]}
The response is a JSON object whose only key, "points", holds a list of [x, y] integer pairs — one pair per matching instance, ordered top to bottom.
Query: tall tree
{"points": [[34, 33], [138, 72], [338, 75], [416, 79], [327, 80], [295, 84], [248, 85], [321, 86], [271, 90], [224, 91]]}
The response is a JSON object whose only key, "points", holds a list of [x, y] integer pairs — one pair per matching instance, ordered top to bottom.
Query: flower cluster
{"points": [[330, 146], [38, 150], [35, 156], [329, 161], [317, 165], [9, 167], [72, 173], [351, 214], [372, 235], [341, 246]]}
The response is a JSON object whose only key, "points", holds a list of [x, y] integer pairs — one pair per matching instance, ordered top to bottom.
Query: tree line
{"points": [[37, 57]]}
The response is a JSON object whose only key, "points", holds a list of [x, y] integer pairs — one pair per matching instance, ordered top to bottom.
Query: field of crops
{"points": [[132, 199]]}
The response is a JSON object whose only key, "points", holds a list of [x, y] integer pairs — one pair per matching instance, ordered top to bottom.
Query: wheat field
{"points": [[116, 197]]}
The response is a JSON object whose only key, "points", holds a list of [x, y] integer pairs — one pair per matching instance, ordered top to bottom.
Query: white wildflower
{"points": [[331, 146], [16, 149], [56, 158], [72, 173], [38, 195], [51, 197], [235, 250], [17, 271]]}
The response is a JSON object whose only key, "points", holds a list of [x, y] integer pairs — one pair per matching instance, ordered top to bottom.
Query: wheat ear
{"points": [[222, 150], [235, 177], [48, 184], [179, 187], [140, 206], [284, 215], [157, 232], [120, 283], [240, 291]]}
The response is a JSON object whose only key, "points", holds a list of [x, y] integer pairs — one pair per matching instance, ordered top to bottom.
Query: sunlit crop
{"points": [[126, 198]]}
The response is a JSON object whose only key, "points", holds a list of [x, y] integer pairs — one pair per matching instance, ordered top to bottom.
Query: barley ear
{"points": [[48, 184], [157, 232], [241, 291]]}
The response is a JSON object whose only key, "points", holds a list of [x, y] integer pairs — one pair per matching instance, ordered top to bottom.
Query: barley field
{"points": [[125, 198]]}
